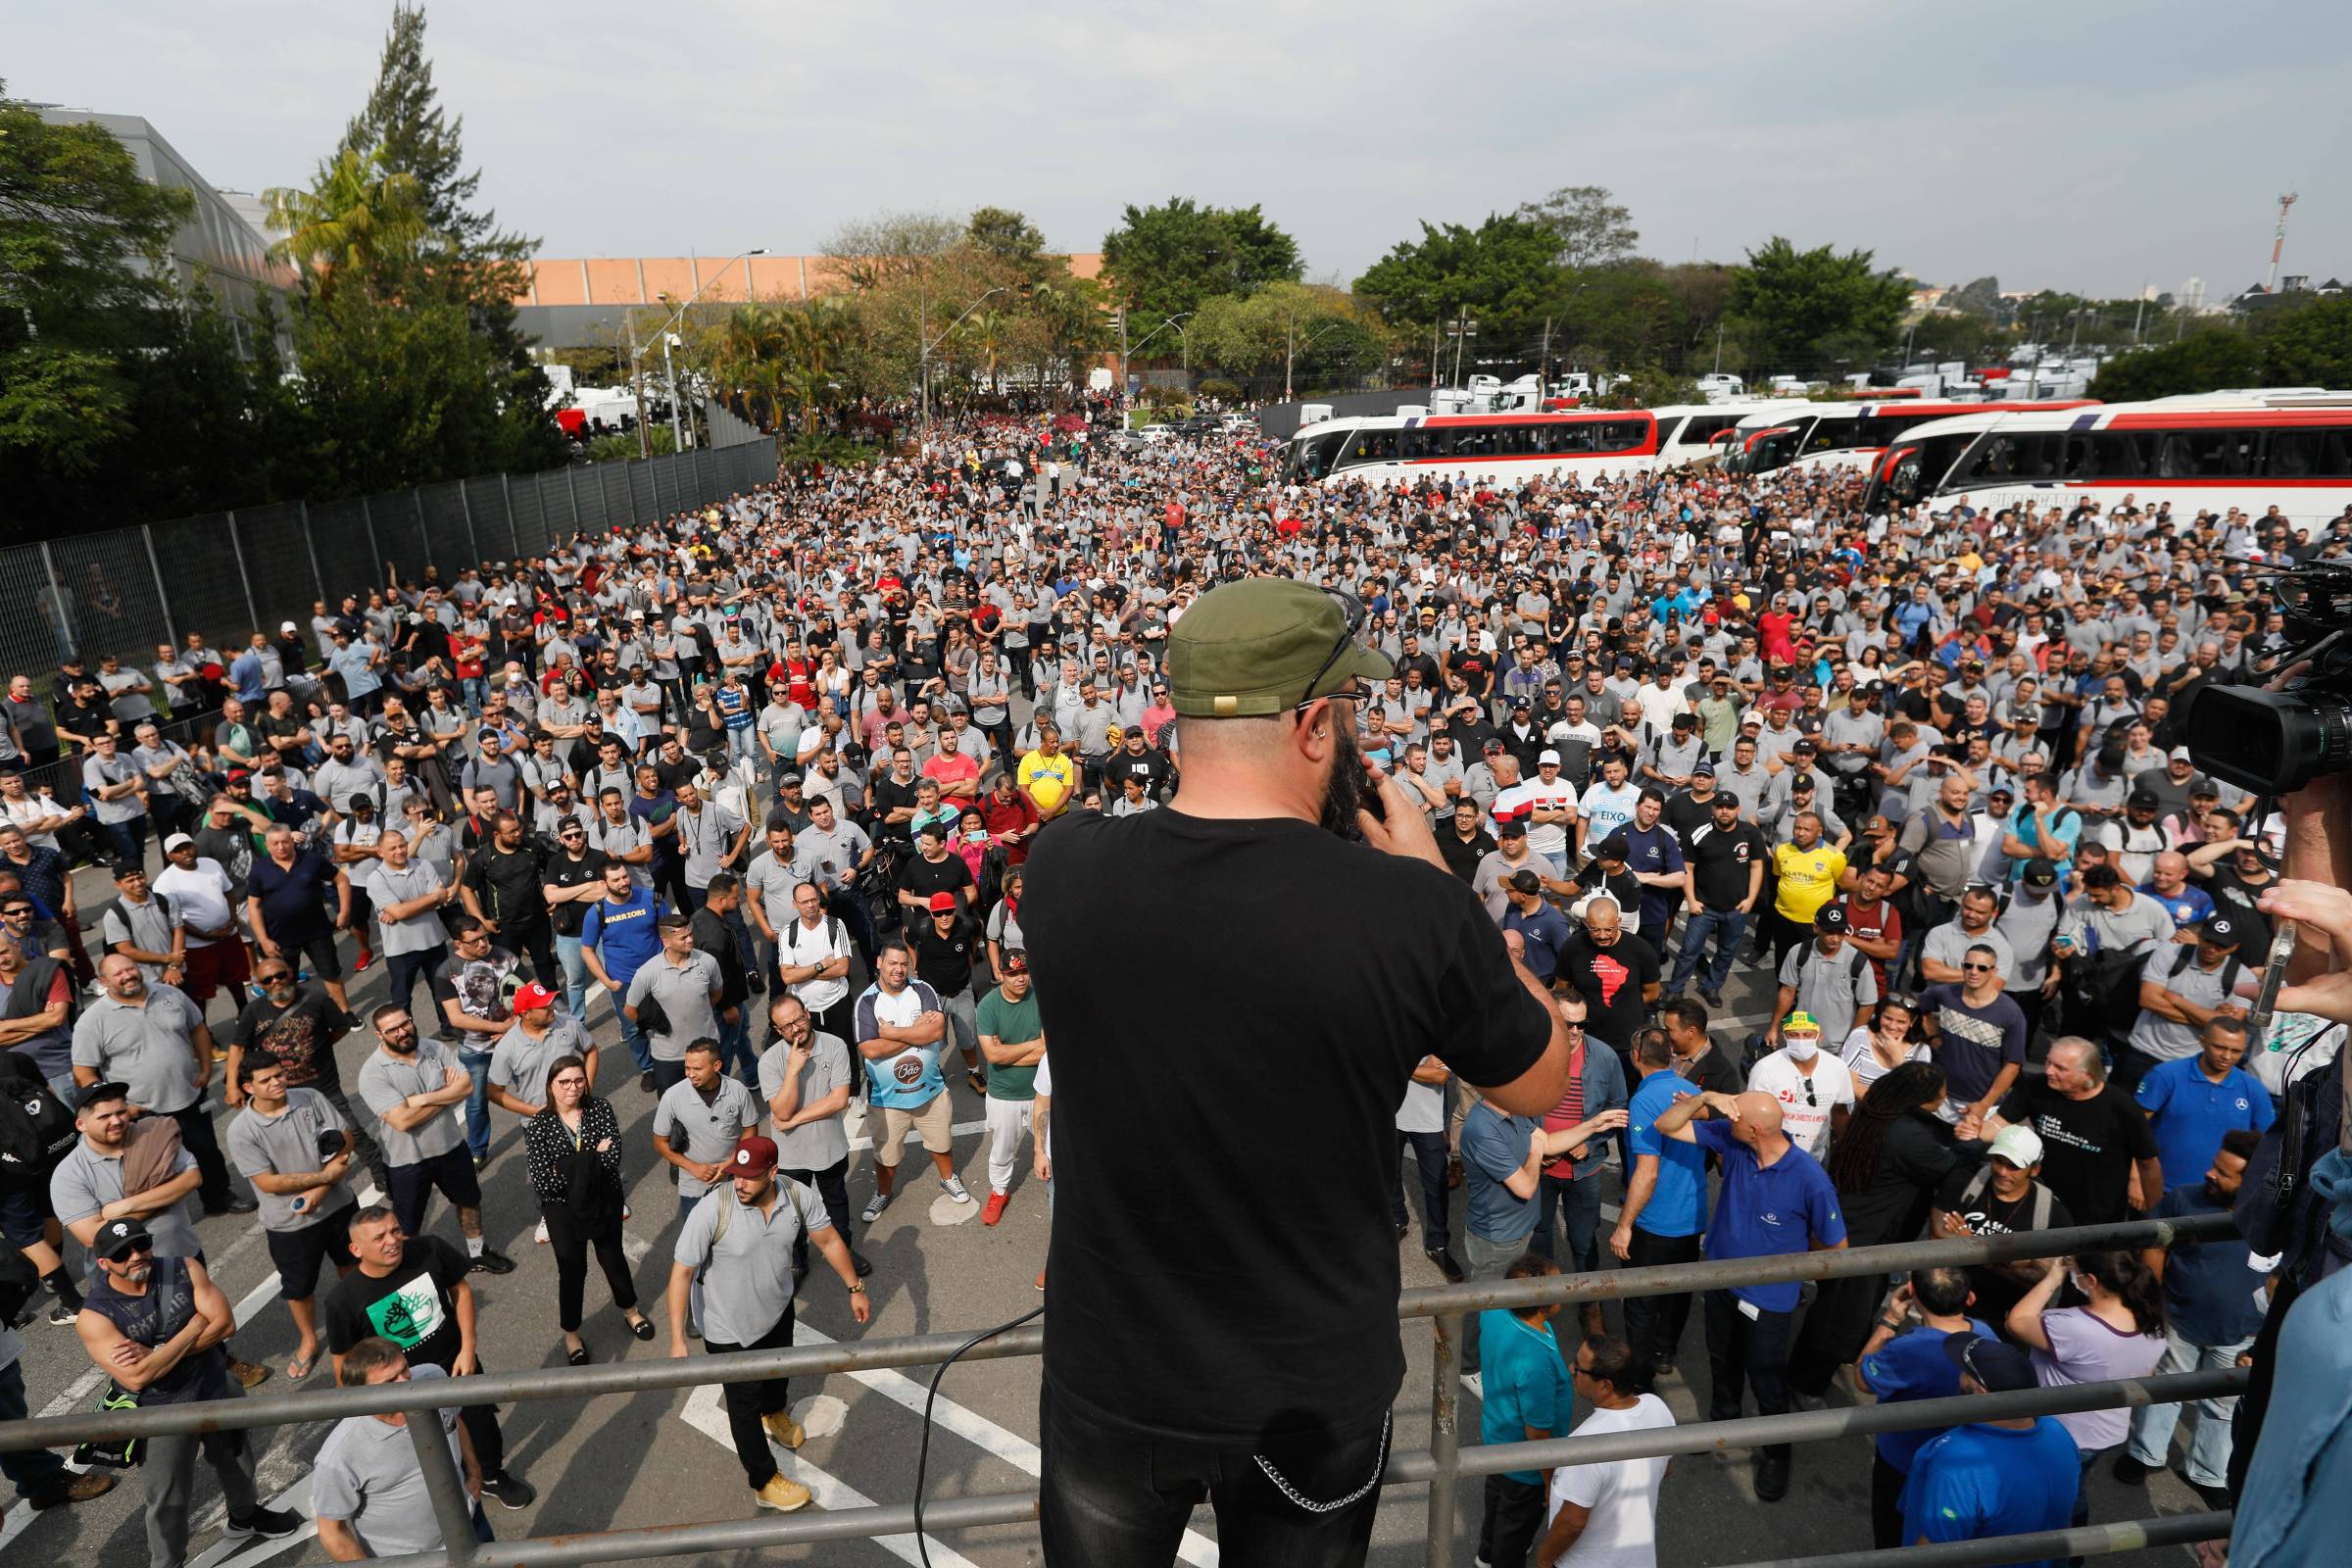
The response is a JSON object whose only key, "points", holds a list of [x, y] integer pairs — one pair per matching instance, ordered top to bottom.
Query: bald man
{"points": [[1776, 1199]]}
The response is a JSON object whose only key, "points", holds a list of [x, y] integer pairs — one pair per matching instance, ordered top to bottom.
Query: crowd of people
{"points": [[1916, 780]]}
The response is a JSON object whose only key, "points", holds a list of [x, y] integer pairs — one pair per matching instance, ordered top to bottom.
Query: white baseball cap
{"points": [[1547, 754], [2019, 1145]]}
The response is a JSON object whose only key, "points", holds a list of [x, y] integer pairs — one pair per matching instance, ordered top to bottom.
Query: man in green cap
{"points": [[1312, 970]]}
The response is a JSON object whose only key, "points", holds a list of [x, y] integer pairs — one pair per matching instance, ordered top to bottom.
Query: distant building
{"points": [[219, 244], [2295, 288]]}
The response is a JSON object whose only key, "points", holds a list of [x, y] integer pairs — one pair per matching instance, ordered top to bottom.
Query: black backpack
{"points": [[36, 1128]]}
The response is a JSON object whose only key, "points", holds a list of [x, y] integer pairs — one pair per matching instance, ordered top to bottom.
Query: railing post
{"points": [[505, 492], [571, 492], [474, 543], [375, 555], [317, 577], [163, 595], [253, 616], [1445, 1437], [451, 1506]]}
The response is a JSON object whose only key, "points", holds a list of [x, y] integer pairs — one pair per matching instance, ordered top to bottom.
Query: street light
{"points": [[922, 328], [1461, 328], [637, 349], [1125, 350], [1289, 356]]}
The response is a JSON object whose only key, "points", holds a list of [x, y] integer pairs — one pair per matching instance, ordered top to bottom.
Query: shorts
{"points": [[325, 963], [215, 967], [930, 1121], [413, 1186], [24, 1214], [299, 1253]]}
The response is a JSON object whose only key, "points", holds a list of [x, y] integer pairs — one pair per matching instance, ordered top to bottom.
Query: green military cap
{"points": [[1263, 646]]}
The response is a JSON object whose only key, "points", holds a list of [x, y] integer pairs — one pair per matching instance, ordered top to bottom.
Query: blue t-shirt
{"points": [[2186, 906], [623, 934], [1542, 934], [2188, 1112], [1494, 1148], [1678, 1204], [1768, 1210], [2208, 1285], [1913, 1366], [1524, 1384], [1976, 1482]]}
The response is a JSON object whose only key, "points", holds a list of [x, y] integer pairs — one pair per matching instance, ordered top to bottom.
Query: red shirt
{"points": [[1006, 818], [1872, 922], [1567, 1113]]}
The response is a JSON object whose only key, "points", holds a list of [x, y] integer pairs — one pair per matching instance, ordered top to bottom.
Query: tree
{"points": [[408, 132], [356, 218], [1589, 227], [1004, 234], [869, 251], [1161, 262], [1501, 273], [1790, 301], [1297, 328], [2307, 345], [2201, 362]]}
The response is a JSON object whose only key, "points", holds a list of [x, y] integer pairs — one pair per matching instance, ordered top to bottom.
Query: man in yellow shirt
{"points": [[1048, 775], [1805, 873]]}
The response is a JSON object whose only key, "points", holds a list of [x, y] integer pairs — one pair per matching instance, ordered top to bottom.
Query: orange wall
{"points": [[643, 280]]}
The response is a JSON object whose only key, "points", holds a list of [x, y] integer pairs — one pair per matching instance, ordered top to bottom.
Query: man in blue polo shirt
{"points": [[1542, 930], [618, 938], [2192, 1100], [1502, 1163], [1776, 1200], [1665, 1205], [1904, 1360], [1525, 1396], [1991, 1478]]}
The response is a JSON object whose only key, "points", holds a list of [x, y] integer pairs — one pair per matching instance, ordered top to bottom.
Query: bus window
{"points": [[1624, 436], [1369, 446], [2206, 453], [2108, 454], [2308, 454], [1312, 456], [2006, 456]]}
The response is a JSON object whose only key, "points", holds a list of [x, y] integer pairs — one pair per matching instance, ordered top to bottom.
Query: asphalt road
{"points": [[654, 1458]]}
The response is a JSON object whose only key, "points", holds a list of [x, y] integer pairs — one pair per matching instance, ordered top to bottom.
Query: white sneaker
{"points": [[954, 1186], [876, 1206]]}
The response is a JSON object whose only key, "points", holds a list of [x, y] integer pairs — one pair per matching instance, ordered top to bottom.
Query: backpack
{"points": [[2231, 967], [36, 1130], [1982, 1181], [20, 1282]]}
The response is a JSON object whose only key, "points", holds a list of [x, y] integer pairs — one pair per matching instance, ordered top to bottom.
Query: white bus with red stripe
{"points": [[1849, 436], [1586, 443], [2252, 451]]}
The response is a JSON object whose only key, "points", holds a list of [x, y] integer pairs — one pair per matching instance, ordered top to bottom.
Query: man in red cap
{"points": [[943, 945], [739, 1241]]}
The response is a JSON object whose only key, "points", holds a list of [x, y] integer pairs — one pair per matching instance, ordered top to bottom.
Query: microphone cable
{"points": [[923, 1454]]}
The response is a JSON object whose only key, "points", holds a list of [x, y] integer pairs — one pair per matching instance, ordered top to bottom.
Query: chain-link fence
{"points": [[228, 574]]}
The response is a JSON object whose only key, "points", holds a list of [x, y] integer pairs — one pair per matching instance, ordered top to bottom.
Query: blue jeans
{"points": [[743, 745], [1728, 927], [575, 976], [735, 1044], [641, 1050], [477, 1104], [1429, 1157], [1579, 1206], [2152, 1425]]}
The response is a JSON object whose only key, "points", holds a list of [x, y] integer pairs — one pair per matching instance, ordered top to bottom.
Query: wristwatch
{"points": [[857, 1287]]}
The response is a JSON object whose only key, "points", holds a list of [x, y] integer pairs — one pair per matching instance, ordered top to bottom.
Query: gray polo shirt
{"points": [[703, 837], [771, 882], [147, 927], [421, 932], [1949, 943], [2175, 969], [1832, 989], [684, 992], [148, 1048], [519, 1064], [385, 1080], [705, 1130], [286, 1145], [818, 1145], [87, 1181], [748, 1288], [368, 1476]]}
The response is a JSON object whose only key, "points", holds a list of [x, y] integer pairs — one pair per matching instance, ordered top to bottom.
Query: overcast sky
{"points": [[2069, 145]]}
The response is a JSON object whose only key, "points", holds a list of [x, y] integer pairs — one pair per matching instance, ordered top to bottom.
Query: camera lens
{"points": [[2270, 742]]}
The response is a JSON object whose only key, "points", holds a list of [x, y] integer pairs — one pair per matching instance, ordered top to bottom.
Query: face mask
{"points": [[1802, 1049]]}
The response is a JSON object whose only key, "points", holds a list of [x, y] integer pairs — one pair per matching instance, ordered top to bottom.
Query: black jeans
{"points": [[537, 943], [402, 970], [197, 1137], [1429, 1156], [832, 1184], [571, 1239], [1654, 1324], [1835, 1326], [1750, 1350], [747, 1402], [1886, 1485], [1111, 1499], [1513, 1518]]}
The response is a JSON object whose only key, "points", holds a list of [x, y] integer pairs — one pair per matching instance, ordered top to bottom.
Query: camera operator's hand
{"points": [[1402, 829], [2325, 911]]}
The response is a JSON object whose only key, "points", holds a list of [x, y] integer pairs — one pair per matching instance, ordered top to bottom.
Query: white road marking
{"points": [[635, 1248], [706, 1413], [821, 1415], [975, 1428], [222, 1554]]}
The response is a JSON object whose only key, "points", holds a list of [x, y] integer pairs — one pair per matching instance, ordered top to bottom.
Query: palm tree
{"points": [[355, 218], [984, 334]]}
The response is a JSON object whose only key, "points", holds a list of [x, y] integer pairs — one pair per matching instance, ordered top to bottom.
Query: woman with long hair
{"points": [[1889, 1041], [574, 1148], [1887, 1165], [2118, 1332]]}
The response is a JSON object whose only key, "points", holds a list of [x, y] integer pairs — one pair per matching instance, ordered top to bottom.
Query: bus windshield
{"points": [[1314, 455]]}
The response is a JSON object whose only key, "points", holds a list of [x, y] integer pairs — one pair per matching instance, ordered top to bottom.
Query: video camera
{"points": [[2276, 742]]}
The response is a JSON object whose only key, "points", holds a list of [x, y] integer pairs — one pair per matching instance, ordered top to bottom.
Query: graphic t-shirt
{"points": [[415, 1306]]}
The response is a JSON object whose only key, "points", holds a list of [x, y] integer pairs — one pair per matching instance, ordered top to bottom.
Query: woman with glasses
{"points": [[574, 1149]]}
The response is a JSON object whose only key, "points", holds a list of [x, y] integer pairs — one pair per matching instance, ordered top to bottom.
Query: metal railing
{"points": [[1441, 1465]]}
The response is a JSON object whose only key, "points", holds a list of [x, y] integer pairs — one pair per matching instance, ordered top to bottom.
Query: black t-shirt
{"points": [[1124, 764], [892, 796], [1464, 857], [1720, 860], [566, 873], [946, 874], [507, 882], [2234, 896], [715, 936], [943, 962], [1305, 977], [1610, 979], [301, 1037], [2088, 1146], [1913, 1165], [1997, 1292], [415, 1306]]}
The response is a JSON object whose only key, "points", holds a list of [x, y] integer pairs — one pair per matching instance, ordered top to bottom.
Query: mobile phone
{"points": [[2266, 994]]}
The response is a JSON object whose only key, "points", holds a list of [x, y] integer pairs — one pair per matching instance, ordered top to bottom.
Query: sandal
{"points": [[642, 1328], [298, 1368]]}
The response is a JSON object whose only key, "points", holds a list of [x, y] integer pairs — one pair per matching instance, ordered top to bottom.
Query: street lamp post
{"points": [[637, 350], [1124, 350], [923, 356]]}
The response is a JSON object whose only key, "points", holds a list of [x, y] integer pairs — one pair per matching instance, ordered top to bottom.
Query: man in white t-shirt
{"points": [[1546, 804], [1608, 804], [813, 953], [1815, 1088], [1421, 1124], [1606, 1515]]}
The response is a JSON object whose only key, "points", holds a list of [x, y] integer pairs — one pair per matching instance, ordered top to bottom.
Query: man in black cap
{"points": [[1726, 861], [1173, 1359]]}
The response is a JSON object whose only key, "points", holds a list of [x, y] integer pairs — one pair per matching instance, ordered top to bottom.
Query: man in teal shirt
{"points": [[1526, 1397]]}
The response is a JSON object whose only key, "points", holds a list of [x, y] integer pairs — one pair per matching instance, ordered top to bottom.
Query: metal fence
{"points": [[228, 574], [1442, 1465]]}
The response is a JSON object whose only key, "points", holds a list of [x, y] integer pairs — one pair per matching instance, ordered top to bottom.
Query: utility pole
{"points": [[2278, 244], [2140, 312], [1434, 329], [922, 340], [1719, 345], [1543, 363], [1126, 402], [677, 441], [644, 445]]}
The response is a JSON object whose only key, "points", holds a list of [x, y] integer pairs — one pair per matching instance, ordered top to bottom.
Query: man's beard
{"points": [[1343, 788]]}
